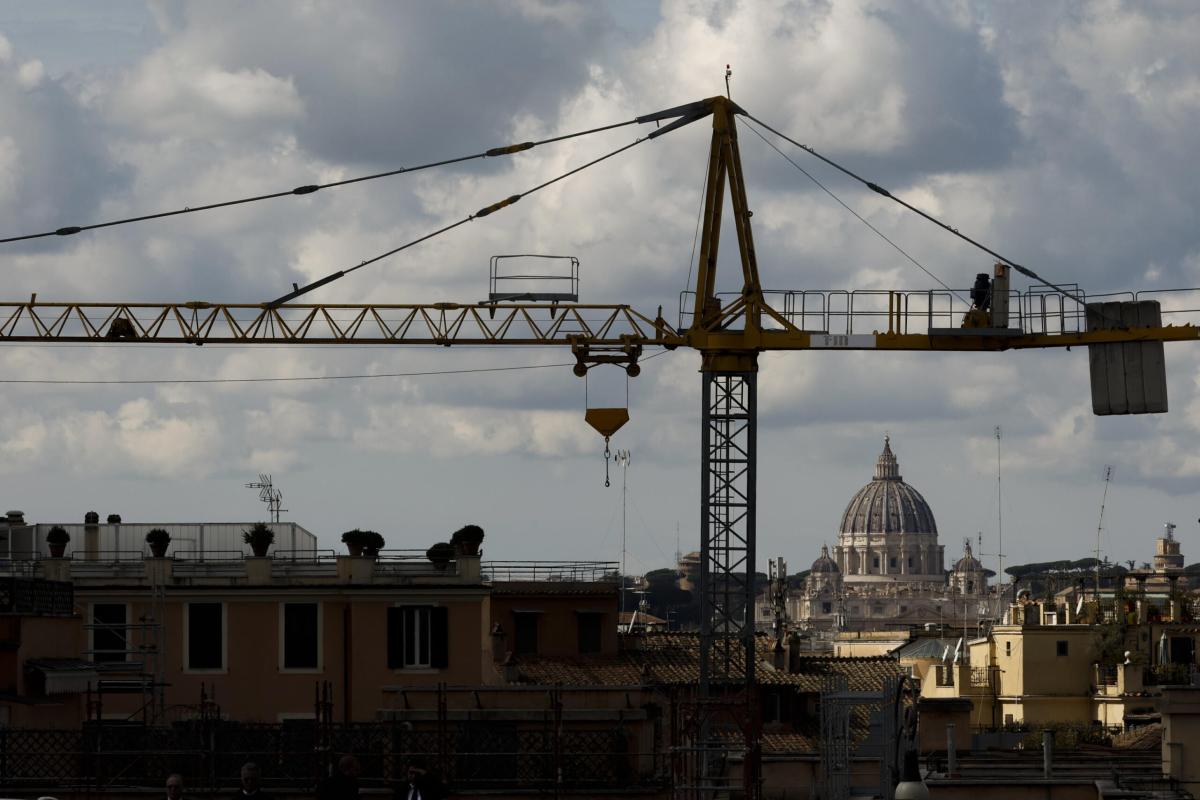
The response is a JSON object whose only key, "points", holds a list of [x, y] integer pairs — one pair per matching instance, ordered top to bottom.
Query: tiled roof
{"points": [[926, 647], [673, 659]]}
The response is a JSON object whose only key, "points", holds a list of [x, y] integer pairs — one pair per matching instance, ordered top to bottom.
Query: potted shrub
{"points": [[259, 537], [56, 539], [158, 539], [466, 540], [353, 541], [357, 541], [373, 544], [440, 554]]}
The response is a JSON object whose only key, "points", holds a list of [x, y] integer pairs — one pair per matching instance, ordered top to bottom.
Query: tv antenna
{"points": [[622, 461], [268, 494], [999, 514], [1100, 525]]}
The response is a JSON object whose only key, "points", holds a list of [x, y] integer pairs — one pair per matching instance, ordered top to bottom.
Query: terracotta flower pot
{"points": [[158, 549], [260, 549], [57, 550], [356, 550]]}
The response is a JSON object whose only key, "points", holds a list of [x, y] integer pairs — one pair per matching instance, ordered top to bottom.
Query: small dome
{"points": [[887, 504], [968, 563], [824, 564]]}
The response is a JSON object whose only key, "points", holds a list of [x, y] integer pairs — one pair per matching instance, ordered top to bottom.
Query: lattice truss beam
{"points": [[431, 323], [727, 534]]}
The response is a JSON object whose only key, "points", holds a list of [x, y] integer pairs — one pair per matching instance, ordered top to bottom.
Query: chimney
{"points": [[114, 519], [91, 536], [498, 637], [794, 653], [778, 655], [512, 673]]}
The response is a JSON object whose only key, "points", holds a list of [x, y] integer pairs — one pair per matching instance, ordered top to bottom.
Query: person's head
{"points": [[348, 765], [416, 769], [250, 775], [174, 786]]}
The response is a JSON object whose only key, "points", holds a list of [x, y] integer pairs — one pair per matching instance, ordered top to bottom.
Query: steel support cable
{"points": [[874, 187], [310, 188], [859, 217], [297, 291], [293, 379]]}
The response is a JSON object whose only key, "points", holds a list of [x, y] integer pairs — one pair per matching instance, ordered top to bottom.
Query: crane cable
{"points": [[313, 187], [874, 187], [483, 212], [858, 216], [289, 379]]}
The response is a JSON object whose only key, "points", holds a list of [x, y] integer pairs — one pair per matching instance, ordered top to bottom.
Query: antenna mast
{"points": [[622, 461], [269, 495], [999, 516], [1100, 525]]}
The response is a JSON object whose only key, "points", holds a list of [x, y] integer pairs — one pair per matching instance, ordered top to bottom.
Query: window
{"points": [[876, 560], [892, 563], [910, 563], [970, 587], [826, 608], [903, 609], [301, 632], [525, 633], [205, 636], [591, 636], [110, 637], [418, 637], [1061, 647], [1008, 648], [945, 675]]}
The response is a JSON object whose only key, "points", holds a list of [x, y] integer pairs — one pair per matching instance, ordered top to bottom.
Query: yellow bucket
{"points": [[606, 421]]}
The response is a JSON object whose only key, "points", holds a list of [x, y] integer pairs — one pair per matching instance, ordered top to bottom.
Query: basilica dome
{"points": [[887, 504]]}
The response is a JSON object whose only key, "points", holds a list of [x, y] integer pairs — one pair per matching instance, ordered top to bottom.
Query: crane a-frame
{"points": [[729, 332]]}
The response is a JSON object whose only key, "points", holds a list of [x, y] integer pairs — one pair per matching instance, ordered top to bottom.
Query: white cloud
{"points": [[31, 74]]}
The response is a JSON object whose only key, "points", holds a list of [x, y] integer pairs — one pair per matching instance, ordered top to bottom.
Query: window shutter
{"points": [[439, 637], [395, 638]]}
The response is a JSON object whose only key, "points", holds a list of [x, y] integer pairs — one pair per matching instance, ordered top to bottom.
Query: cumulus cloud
{"points": [[1055, 135]]}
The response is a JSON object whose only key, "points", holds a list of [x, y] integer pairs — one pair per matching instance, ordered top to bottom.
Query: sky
{"points": [[1062, 134]]}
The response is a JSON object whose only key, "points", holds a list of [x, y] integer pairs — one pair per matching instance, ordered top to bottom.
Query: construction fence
{"points": [[484, 755]]}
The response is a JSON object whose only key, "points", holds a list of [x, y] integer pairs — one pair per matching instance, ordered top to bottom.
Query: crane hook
{"points": [[607, 456]]}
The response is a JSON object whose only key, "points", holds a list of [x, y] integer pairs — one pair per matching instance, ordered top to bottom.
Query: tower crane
{"points": [[729, 331]]}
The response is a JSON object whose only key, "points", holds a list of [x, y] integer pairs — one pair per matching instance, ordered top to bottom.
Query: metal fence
{"points": [[519, 571], [36, 596], [483, 755]]}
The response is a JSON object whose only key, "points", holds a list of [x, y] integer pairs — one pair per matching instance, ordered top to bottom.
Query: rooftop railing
{"points": [[578, 571]]}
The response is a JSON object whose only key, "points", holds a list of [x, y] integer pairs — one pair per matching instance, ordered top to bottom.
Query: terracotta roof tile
{"points": [[673, 659]]}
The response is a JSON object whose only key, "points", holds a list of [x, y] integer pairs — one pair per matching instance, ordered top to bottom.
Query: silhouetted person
{"points": [[343, 784], [421, 784], [174, 786], [250, 789]]}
